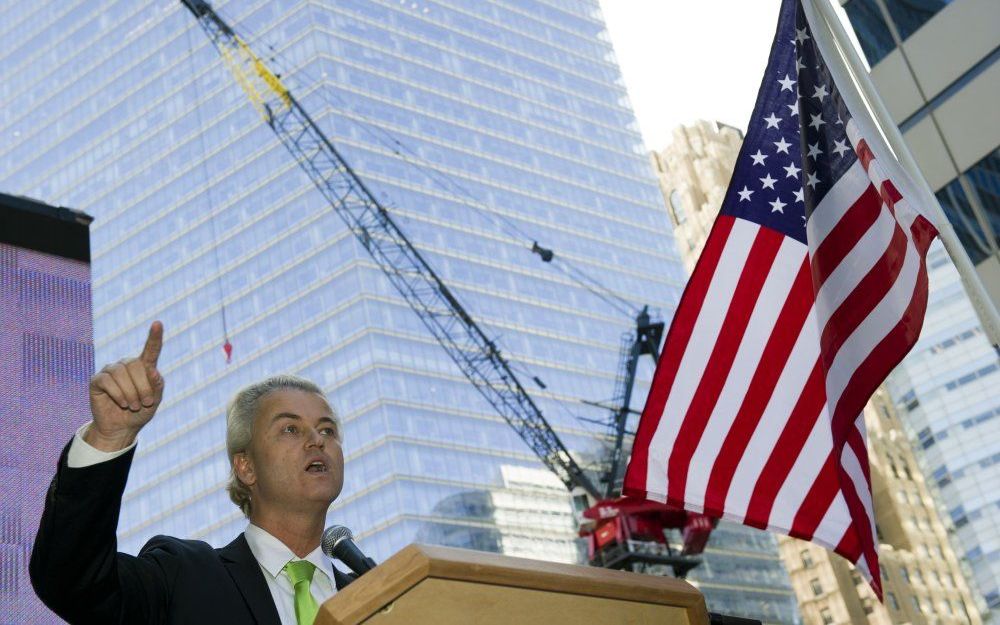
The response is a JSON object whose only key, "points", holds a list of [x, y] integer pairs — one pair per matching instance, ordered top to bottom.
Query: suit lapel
{"points": [[246, 573]]}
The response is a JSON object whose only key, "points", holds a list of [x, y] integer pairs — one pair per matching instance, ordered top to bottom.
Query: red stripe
{"points": [[864, 153], [890, 195], [923, 234], [845, 235], [755, 271], [864, 298], [787, 328], [674, 347], [787, 448], [818, 500], [860, 521], [849, 545]]}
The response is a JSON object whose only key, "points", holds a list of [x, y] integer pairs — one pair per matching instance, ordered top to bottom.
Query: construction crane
{"points": [[476, 355]]}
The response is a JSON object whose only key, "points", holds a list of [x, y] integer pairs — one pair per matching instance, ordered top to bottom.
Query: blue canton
{"points": [[796, 145]]}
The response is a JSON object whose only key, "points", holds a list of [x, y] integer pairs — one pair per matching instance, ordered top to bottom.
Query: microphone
{"points": [[338, 542]]}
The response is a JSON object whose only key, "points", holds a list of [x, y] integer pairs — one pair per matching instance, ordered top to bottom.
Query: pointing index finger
{"points": [[154, 343]]}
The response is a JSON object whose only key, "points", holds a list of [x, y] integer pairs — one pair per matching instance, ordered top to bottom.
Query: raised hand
{"points": [[124, 396]]}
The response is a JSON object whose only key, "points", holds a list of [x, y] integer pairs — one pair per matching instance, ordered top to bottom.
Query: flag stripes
{"points": [[782, 336]]}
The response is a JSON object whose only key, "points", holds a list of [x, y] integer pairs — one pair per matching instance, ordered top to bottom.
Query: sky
{"points": [[684, 60]]}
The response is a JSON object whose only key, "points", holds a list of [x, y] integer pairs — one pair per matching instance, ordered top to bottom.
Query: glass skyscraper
{"points": [[483, 126], [203, 220]]}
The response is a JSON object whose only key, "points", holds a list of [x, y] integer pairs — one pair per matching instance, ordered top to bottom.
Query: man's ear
{"points": [[244, 469]]}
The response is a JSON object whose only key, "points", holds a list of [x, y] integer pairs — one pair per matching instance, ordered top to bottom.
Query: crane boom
{"points": [[475, 354]]}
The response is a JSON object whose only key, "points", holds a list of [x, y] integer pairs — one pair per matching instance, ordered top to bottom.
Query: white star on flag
{"points": [[782, 146], [768, 181]]}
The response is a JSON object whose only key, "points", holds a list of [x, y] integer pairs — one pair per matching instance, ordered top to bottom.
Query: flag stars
{"points": [[801, 36], [799, 65], [786, 83], [820, 92], [793, 109], [772, 121], [817, 121], [782, 146], [840, 146], [814, 151], [758, 158], [791, 171], [812, 180], [768, 181], [745, 194], [798, 196], [777, 206]]}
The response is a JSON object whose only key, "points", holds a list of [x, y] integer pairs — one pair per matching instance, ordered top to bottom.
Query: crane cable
{"points": [[227, 346]]}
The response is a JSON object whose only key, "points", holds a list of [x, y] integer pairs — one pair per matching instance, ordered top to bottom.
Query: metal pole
{"points": [[849, 64]]}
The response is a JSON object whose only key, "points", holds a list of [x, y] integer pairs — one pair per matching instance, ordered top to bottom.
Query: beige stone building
{"points": [[694, 172], [922, 579]]}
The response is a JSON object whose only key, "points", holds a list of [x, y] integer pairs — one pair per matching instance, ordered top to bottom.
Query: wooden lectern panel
{"points": [[447, 586]]}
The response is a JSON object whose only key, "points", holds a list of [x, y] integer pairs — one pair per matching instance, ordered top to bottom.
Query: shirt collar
{"points": [[273, 555]]}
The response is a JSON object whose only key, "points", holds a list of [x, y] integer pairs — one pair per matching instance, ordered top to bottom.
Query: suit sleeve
{"points": [[75, 566]]}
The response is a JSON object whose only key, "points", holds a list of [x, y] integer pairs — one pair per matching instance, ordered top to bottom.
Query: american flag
{"points": [[811, 287]]}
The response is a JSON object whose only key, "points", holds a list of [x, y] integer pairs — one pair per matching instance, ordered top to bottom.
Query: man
{"points": [[283, 441]]}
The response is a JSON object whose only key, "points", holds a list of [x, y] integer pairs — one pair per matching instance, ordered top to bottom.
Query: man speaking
{"points": [[283, 441]]}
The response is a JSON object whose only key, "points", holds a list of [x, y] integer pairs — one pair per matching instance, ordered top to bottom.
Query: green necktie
{"points": [[300, 572]]}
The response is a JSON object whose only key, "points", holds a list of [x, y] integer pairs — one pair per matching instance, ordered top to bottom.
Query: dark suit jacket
{"points": [[79, 574]]}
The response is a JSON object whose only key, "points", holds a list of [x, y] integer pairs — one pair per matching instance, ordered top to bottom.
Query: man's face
{"points": [[295, 462]]}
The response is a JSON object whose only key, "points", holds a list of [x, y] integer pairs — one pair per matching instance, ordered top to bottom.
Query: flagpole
{"points": [[855, 68]]}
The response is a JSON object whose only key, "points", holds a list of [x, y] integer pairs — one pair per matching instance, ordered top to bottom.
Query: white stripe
{"points": [[835, 204], [855, 266], [772, 297], [873, 329], [699, 348], [786, 393], [852, 465], [804, 472], [834, 524]]}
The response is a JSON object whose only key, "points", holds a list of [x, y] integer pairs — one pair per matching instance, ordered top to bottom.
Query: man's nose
{"points": [[315, 438]]}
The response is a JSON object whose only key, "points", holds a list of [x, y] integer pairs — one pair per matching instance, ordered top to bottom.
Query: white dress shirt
{"points": [[271, 553]]}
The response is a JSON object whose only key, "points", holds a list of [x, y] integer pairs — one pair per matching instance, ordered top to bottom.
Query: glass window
{"points": [[909, 15], [872, 31], [677, 205], [960, 214], [807, 559], [817, 588], [891, 600], [826, 615]]}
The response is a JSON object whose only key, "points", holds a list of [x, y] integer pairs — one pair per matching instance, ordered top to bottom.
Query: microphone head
{"points": [[334, 535]]}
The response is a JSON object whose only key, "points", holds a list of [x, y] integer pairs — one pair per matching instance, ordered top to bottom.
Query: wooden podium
{"points": [[445, 586]]}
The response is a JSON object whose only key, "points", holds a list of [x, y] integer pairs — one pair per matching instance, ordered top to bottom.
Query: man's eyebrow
{"points": [[285, 415], [292, 415]]}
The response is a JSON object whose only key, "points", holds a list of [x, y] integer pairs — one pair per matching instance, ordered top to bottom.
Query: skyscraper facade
{"points": [[943, 95], [483, 126]]}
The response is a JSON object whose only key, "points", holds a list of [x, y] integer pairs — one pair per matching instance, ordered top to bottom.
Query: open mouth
{"points": [[316, 467]]}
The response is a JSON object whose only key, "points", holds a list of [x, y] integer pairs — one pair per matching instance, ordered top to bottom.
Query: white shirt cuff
{"points": [[83, 454]]}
